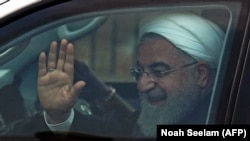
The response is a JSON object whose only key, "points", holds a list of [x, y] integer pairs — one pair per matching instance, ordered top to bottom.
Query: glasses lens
{"points": [[135, 73]]}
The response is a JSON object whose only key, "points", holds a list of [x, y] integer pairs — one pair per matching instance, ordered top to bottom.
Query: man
{"points": [[184, 51], [175, 71]]}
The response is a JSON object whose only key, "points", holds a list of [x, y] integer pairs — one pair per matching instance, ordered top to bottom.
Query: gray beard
{"points": [[177, 106]]}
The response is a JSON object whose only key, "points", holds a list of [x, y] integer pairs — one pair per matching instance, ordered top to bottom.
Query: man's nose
{"points": [[145, 83]]}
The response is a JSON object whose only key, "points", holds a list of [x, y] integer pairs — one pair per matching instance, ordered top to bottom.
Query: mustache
{"points": [[155, 94]]}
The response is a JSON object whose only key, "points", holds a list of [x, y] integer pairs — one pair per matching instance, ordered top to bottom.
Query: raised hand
{"points": [[56, 91]]}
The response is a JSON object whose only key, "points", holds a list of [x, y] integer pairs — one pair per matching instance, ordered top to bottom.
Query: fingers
{"points": [[62, 55], [52, 58], [69, 60], [65, 61], [42, 70]]}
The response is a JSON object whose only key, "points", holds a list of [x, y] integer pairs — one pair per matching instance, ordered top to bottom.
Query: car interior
{"points": [[106, 42]]}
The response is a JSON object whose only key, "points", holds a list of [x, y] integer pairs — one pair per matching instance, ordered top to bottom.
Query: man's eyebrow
{"points": [[155, 64], [159, 64]]}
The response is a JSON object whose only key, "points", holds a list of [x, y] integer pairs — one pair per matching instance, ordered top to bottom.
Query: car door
{"points": [[105, 34]]}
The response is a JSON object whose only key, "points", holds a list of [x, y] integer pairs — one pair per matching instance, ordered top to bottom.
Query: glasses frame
{"points": [[134, 70]]}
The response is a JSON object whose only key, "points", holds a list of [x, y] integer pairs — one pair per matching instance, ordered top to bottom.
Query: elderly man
{"points": [[176, 67], [175, 71]]}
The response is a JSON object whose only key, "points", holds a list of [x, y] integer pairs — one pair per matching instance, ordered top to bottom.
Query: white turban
{"points": [[195, 35]]}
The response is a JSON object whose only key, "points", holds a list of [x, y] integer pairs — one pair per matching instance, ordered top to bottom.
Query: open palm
{"points": [[56, 91]]}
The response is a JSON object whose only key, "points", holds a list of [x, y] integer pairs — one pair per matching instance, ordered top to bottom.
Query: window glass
{"points": [[108, 43]]}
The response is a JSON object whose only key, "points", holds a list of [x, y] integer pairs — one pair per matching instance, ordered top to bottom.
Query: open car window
{"points": [[107, 42]]}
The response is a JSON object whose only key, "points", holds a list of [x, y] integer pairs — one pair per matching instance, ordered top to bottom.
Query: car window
{"points": [[107, 42]]}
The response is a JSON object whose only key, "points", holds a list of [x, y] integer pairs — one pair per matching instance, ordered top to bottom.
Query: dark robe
{"points": [[108, 125], [84, 126]]}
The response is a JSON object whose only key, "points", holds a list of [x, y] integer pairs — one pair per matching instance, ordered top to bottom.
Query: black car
{"points": [[105, 34]]}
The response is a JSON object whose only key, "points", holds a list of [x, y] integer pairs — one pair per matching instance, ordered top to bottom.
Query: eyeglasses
{"points": [[155, 75]]}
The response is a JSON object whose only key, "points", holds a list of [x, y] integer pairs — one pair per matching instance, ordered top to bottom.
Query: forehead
{"points": [[157, 50]]}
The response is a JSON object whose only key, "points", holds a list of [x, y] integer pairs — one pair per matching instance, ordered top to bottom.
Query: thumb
{"points": [[76, 88]]}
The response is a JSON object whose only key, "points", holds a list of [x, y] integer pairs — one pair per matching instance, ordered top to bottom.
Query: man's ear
{"points": [[203, 73]]}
